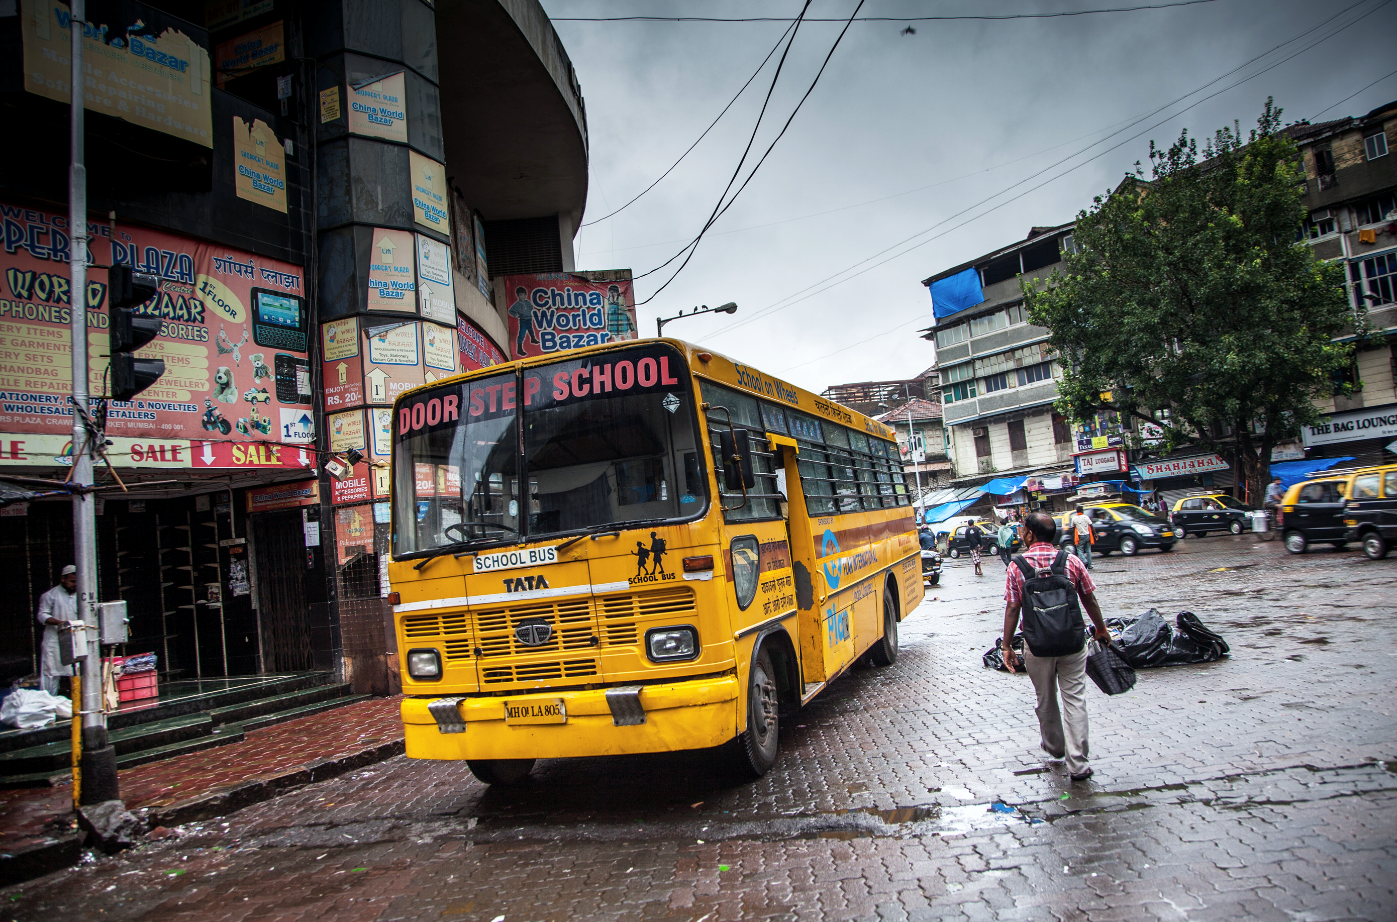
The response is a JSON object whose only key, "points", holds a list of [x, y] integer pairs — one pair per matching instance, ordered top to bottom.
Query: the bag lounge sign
{"points": [[1368, 423]]}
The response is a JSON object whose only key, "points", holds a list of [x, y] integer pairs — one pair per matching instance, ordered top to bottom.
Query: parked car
{"points": [[1313, 511], [1370, 512], [1200, 513], [1120, 527], [959, 542], [931, 568]]}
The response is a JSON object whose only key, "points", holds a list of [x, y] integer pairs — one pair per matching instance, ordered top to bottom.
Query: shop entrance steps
{"points": [[188, 717]]}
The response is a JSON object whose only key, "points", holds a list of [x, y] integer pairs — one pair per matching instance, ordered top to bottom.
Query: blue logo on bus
{"points": [[829, 546]]}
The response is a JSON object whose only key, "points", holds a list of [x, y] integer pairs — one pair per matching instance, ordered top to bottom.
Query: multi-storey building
{"points": [[1351, 197], [998, 374], [874, 397]]}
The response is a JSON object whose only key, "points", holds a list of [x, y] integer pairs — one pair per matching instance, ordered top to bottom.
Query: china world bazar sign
{"points": [[158, 80], [557, 311], [232, 335]]}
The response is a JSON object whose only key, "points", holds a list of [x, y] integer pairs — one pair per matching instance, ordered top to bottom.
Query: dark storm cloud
{"points": [[967, 108]]}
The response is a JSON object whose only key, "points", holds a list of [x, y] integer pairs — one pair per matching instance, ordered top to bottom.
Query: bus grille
{"points": [[619, 613], [570, 619], [451, 630], [538, 672]]}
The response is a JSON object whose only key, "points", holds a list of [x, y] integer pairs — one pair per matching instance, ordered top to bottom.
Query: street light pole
{"points": [[729, 308], [97, 764]]}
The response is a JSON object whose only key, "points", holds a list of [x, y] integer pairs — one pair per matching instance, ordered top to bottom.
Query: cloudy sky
{"points": [[902, 134]]}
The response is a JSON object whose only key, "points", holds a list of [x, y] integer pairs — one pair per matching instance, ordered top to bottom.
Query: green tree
{"points": [[1191, 292]]}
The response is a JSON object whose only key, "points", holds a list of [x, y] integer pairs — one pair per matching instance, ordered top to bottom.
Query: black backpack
{"points": [[1052, 618]]}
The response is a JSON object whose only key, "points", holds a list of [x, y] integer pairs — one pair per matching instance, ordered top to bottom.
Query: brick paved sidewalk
{"points": [[216, 780]]}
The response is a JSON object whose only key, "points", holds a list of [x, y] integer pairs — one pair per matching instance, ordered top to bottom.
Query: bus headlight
{"points": [[671, 644], [424, 664]]}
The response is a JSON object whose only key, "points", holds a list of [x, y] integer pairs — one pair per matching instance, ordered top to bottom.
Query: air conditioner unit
{"points": [[980, 430]]}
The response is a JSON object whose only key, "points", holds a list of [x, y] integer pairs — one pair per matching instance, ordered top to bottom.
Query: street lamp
{"points": [[729, 308]]}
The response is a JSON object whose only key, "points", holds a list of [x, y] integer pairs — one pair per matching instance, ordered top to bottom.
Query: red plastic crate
{"points": [[137, 686]]}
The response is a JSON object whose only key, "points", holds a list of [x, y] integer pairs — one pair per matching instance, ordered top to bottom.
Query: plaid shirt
{"points": [[618, 322], [1041, 555]]}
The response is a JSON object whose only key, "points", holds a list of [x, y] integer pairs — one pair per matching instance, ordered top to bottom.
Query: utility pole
{"points": [[912, 443], [98, 761]]}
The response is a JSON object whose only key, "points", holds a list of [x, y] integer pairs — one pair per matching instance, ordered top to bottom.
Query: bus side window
{"points": [[693, 477]]}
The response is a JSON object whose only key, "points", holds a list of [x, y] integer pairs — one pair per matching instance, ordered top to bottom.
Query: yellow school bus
{"points": [[635, 547]]}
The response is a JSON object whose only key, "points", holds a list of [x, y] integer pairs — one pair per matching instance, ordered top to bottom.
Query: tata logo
{"points": [[829, 547], [524, 583], [533, 633]]}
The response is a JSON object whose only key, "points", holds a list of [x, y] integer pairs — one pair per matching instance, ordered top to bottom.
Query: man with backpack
{"points": [[1044, 585]]}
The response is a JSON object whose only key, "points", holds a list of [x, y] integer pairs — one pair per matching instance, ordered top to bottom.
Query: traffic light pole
{"points": [[98, 759]]}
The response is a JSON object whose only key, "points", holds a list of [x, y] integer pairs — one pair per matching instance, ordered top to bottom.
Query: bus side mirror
{"points": [[735, 445]]}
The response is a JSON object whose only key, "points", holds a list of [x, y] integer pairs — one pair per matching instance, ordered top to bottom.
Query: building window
{"points": [[1375, 145], [1324, 161], [1375, 210], [1321, 225], [1069, 245], [1380, 278], [1016, 314], [979, 326], [952, 335], [1043, 371], [963, 372], [996, 383], [962, 391], [1062, 433], [1018, 440], [982, 442]]}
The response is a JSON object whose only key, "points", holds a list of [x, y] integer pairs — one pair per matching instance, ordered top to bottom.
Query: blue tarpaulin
{"points": [[956, 293], [1292, 472], [1003, 486], [946, 510]]}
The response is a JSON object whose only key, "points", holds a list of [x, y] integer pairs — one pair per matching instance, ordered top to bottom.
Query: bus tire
{"points": [[884, 652], [754, 750], [504, 772]]}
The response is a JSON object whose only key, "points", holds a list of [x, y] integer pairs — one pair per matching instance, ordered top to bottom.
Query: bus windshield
{"points": [[607, 440]]}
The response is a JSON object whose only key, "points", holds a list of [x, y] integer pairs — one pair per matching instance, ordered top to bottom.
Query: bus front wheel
{"points": [[754, 749], [500, 771]]}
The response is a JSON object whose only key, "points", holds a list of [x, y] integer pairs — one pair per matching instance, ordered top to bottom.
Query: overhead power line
{"points": [[985, 16], [1351, 95], [686, 153], [821, 286]]}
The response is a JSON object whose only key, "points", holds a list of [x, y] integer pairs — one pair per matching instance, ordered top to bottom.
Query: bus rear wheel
{"points": [[884, 652], [753, 751], [503, 772]]}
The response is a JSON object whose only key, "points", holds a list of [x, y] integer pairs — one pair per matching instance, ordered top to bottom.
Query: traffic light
{"points": [[127, 289]]}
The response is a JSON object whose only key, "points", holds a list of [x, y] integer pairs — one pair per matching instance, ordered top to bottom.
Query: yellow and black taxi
{"points": [[1211, 511], [1313, 511], [1370, 512], [1119, 526]]}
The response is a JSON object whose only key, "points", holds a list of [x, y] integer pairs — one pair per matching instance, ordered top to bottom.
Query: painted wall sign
{"points": [[249, 51], [157, 82], [378, 110], [260, 162], [429, 206], [392, 279], [435, 299], [215, 304], [553, 312], [477, 351], [1368, 423], [1181, 467]]}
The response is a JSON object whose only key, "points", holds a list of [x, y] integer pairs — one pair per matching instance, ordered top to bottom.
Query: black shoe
{"points": [[1081, 775]]}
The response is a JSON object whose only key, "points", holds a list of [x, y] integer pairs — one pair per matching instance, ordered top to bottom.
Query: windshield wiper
{"points": [[611, 528], [444, 550]]}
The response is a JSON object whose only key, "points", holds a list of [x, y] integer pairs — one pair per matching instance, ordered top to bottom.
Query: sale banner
{"points": [[557, 311], [232, 334]]}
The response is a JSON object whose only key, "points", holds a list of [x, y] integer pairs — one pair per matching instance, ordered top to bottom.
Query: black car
{"points": [[1210, 512], [1312, 512], [1121, 527], [959, 542]]}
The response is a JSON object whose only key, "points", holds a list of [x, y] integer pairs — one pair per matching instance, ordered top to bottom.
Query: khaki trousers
{"points": [[1064, 729]]}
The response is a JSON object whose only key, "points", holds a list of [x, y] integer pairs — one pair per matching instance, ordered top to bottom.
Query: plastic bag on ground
{"points": [[1150, 641], [994, 656], [31, 709]]}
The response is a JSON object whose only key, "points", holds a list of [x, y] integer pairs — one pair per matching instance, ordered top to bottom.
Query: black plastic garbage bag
{"points": [[1151, 641], [994, 656]]}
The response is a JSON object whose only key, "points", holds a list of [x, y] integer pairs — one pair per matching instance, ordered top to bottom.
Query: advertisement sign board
{"points": [[242, 55], [157, 82], [377, 110], [261, 164], [429, 193], [392, 281], [435, 299], [556, 311], [232, 338], [477, 351], [393, 363], [341, 371], [1367, 423], [1101, 462], [1180, 467], [353, 489], [283, 496], [354, 532]]}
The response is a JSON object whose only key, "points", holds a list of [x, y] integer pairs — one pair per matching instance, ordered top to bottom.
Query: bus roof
{"points": [[714, 366]]}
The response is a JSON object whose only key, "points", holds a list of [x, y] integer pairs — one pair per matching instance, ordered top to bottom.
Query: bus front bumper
{"points": [[683, 715]]}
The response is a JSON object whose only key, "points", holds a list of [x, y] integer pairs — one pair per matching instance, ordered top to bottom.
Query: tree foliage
{"points": [[1192, 293]]}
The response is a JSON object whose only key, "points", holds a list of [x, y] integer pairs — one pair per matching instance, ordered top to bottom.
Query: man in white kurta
{"points": [[57, 607]]}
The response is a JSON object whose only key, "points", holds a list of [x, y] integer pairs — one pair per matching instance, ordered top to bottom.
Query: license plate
{"points": [[1167, 534], [512, 560], [536, 711]]}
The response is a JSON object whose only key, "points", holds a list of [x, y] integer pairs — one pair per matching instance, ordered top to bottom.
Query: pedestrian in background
{"points": [[1082, 536], [974, 539], [1006, 541], [57, 607], [1063, 728]]}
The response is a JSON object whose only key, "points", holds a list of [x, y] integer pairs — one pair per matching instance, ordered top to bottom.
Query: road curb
{"points": [[231, 799], [45, 857]]}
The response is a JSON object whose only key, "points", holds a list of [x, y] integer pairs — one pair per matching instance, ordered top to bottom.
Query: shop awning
{"points": [[1292, 472], [1004, 485], [946, 510]]}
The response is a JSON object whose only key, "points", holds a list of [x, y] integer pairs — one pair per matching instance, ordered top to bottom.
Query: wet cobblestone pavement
{"points": [[1259, 787]]}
